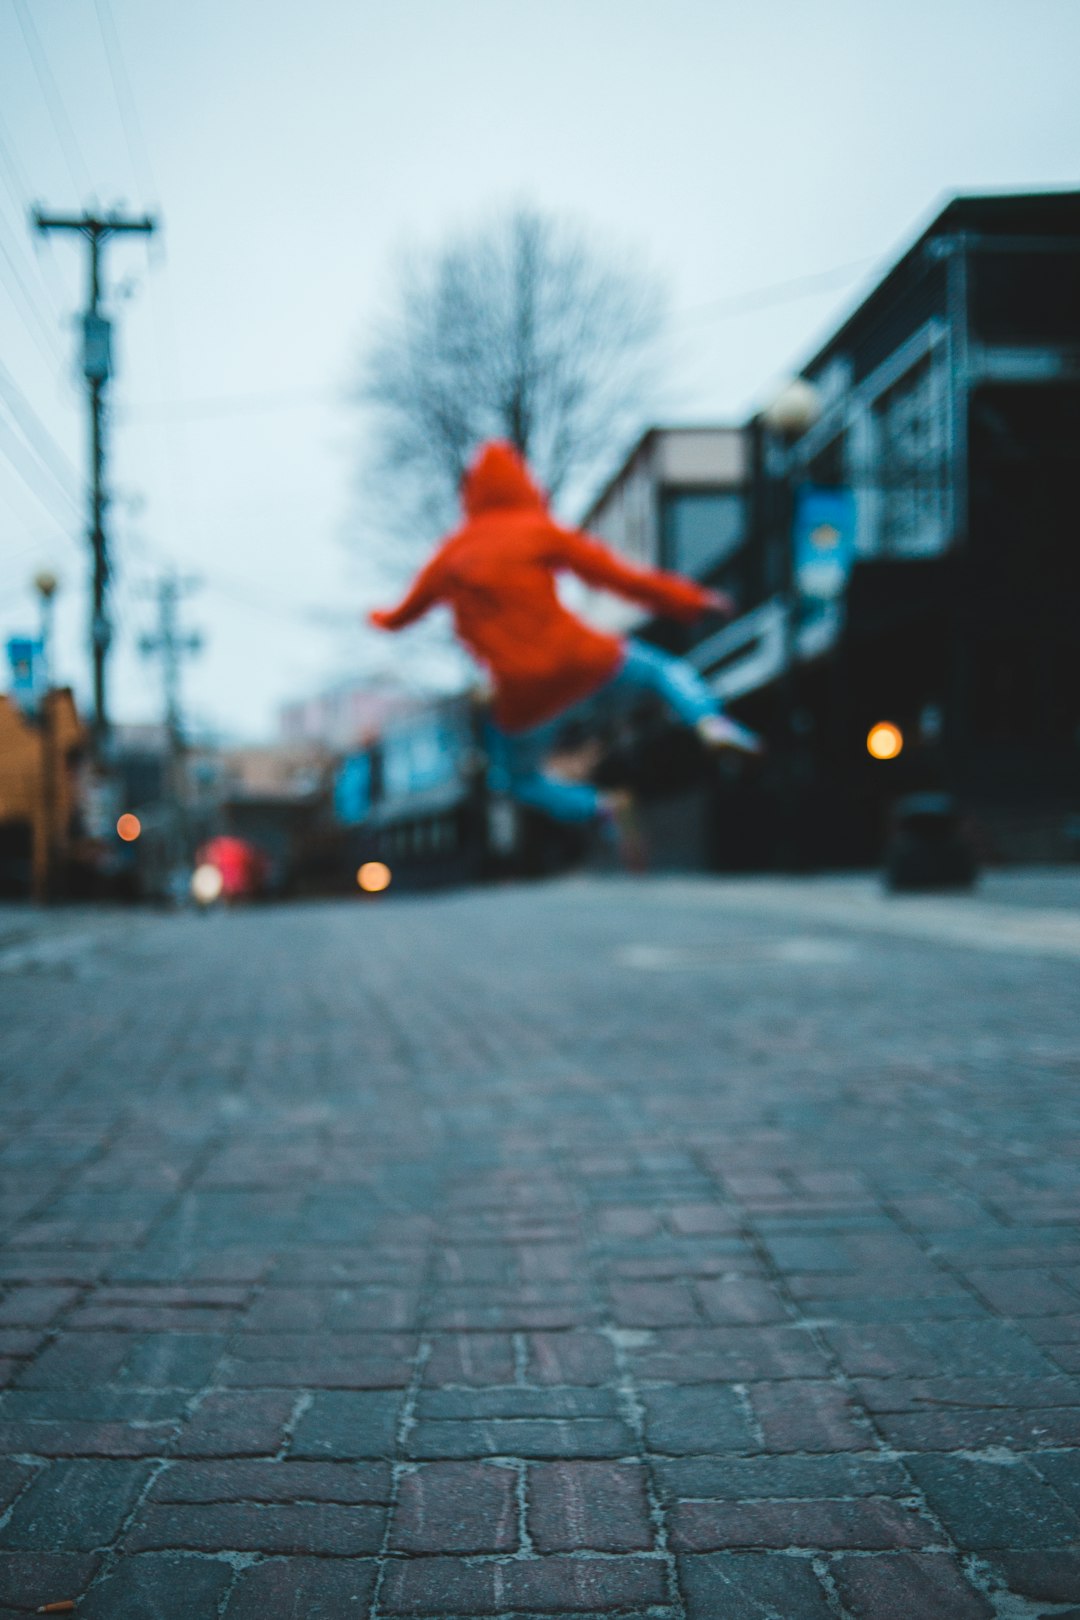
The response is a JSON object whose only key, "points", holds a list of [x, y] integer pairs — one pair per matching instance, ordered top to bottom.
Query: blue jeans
{"points": [[514, 758]]}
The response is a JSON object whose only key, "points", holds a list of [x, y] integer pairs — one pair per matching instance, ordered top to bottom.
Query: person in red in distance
{"points": [[497, 573], [244, 868]]}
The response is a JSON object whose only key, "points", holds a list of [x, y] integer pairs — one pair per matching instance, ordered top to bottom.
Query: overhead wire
{"points": [[65, 134], [134, 140], [142, 170], [18, 191], [777, 292], [756, 299], [25, 301], [43, 337], [166, 348], [164, 411], [39, 438], [26, 444], [19, 456], [36, 457], [42, 547], [241, 590]]}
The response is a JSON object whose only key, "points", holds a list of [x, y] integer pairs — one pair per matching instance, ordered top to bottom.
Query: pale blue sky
{"points": [[291, 149]]}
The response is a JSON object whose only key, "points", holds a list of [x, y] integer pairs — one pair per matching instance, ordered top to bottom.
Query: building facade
{"points": [[950, 419], [679, 502], [908, 554], [345, 715], [39, 801]]}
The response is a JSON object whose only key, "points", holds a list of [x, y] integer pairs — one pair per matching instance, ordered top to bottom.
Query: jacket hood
{"points": [[499, 477]]}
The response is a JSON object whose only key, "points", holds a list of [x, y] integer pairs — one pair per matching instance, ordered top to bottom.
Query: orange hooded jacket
{"points": [[497, 574]]}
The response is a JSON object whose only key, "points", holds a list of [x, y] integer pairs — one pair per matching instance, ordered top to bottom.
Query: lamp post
{"points": [[794, 409], [792, 412], [46, 585]]}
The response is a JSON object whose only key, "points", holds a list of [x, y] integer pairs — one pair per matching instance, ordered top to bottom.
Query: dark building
{"points": [[950, 412], [900, 530], [910, 552]]}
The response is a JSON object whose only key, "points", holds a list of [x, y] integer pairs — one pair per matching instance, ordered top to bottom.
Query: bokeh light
{"points": [[884, 740], [128, 827], [373, 877], [206, 884]]}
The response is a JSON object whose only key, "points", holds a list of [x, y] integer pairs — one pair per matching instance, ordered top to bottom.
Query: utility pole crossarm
{"points": [[91, 224]]}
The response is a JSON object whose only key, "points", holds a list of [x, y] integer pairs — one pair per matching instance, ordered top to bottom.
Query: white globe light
{"points": [[795, 409], [206, 884]]}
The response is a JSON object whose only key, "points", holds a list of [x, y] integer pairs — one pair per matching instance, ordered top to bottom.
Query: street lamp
{"points": [[792, 411], [46, 585]]}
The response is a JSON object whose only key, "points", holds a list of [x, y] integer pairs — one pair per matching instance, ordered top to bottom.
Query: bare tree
{"points": [[524, 330]]}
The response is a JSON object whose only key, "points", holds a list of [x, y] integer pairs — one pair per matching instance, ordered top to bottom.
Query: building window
{"points": [[1025, 299], [911, 421], [828, 468], [699, 529], [421, 758]]}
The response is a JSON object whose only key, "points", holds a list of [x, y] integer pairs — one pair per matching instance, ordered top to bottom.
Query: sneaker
{"points": [[720, 731], [620, 821]]}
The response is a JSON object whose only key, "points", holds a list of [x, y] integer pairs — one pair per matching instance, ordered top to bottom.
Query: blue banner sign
{"points": [[823, 537], [25, 655], [352, 790]]}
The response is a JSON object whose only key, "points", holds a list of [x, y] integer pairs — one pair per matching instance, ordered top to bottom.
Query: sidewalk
{"points": [[1034, 911], [673, 1250]]}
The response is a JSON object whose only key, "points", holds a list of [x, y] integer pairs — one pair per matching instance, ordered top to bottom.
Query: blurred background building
{"points": [[899, 529], [40, 751]]}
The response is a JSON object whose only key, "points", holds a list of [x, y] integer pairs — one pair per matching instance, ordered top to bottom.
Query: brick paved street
{"points": [[668, 1249]]}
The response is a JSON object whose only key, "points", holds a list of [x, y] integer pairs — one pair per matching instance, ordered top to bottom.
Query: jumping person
{"points": [[497, 573]]}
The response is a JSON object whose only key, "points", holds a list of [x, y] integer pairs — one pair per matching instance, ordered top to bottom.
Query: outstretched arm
{"points": [[654, 588], [422, 594]]}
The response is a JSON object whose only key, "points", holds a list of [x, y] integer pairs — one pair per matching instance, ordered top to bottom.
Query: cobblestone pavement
{"points": [[665, 1249]]}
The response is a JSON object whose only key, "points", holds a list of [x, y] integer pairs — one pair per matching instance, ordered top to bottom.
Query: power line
{"points": [[125, 101], [73, 158], [13, 176], [19, 192], [777, 292], [42, 335], [165, 345], [228, 405], [39, 437], [36, 451], [19, 456], [14, 562], [239, 590]]}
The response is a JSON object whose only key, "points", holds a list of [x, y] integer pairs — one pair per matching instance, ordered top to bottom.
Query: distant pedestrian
{"points": [[497, 573]]}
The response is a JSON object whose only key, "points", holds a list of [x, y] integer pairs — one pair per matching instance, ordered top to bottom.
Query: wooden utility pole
{"points": [[97, 368], [171, 645]]}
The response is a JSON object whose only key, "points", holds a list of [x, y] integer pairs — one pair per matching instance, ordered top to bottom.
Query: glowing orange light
{"points": [[884, 740], [128, 828], [373, 877]]}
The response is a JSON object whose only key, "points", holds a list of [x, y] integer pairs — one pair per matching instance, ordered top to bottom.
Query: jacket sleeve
{"points": [[593, 562], [422, 594]]}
